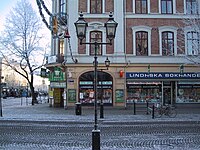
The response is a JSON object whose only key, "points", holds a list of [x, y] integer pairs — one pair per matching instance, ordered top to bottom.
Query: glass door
{"points": [[167, 93]]}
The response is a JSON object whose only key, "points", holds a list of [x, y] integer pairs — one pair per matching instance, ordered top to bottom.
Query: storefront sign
{"points": [[57, 75], [162, 75], [57, 84]]}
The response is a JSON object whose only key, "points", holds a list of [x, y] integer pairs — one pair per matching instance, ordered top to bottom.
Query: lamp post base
{"points": [[101, 111], [95, 139]]}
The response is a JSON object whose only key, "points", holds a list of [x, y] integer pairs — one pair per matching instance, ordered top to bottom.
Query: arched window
{"points": [[142, 43], [167, 43], [193, 44], [104, 88]]}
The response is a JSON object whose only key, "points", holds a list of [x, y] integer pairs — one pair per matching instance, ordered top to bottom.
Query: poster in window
{"points": [[72, 95], [119, 96]]}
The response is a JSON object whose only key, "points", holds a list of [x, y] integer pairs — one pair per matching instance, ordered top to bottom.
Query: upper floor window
{"points": [[62, 6], [95, 6], [140, 6], [166, 6], [191, 7], [95, 36], [141, 43], [167, 43], [193, 43], [61, 46]]}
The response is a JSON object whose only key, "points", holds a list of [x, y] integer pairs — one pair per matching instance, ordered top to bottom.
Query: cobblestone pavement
{"points": [[24, 126], [22, 135]]}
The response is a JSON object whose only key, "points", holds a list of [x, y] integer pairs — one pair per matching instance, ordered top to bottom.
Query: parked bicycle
{"points": [[167, 110]]}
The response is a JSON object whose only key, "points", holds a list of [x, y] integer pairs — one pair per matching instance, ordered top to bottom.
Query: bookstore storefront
{"points": [[164, 88]]}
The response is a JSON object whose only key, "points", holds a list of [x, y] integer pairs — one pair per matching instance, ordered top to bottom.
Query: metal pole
{"points": [[101, 105], [1, 111], [95, 132]]}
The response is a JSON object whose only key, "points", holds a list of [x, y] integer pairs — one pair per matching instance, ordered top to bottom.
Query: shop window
{"points": [[96, 6], [140, 6], [166, 6], [191, 7], [96, 36], [141, 43], [167, 43], [193, 44], [104, 88], [146, 92], [188, 93]]}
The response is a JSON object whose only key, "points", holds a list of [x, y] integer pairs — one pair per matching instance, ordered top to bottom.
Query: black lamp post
{"points": [[81, 26], [107, 64]]}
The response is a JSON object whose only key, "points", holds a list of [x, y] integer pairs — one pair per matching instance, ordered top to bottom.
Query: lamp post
{"points": [[81, 27], [107, 64]]}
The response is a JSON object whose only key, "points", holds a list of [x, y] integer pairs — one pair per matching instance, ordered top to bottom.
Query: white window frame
{"points": [[103, 6], [148, 7], [174, 7], [185, 7], [96, 26], [141, 28], [168, 29], [186, 30]]}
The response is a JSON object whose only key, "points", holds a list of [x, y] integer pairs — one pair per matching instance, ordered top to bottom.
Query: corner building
{"points": [[150, 59]]}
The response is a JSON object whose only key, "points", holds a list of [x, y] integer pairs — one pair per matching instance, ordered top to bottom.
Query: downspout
{"points": [[125, 66]]}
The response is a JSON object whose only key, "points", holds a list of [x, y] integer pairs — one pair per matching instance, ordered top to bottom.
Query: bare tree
{"points": [[189, 40], [20, 41]]}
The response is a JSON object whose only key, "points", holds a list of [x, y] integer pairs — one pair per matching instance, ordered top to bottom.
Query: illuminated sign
{"points": [[162, 75]]}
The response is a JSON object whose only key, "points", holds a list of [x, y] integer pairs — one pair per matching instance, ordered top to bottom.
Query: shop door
{"points": [[167, 95]]}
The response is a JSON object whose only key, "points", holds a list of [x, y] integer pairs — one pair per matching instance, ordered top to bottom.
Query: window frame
{"points": [[166, 6], [96, 7], [134, 7], [141, 7], [191, 7], [147, 29], [169, 29], [92, 40], [168, 40], [141, 42], [192, 53]]}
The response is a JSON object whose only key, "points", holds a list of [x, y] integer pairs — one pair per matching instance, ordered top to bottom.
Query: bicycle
{"points": [[167, 110]]}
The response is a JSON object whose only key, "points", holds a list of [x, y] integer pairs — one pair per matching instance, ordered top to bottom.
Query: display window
{"points": [[104, 88], [144, 92], [188, 92]]}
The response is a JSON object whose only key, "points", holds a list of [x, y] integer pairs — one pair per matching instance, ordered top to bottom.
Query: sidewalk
{"points": [[42, 112]]}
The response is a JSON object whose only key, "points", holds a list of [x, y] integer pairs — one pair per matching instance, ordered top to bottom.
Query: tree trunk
{"points": [[34, 98]]}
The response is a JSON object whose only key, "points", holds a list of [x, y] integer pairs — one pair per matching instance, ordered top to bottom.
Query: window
{"points": [[62, 6], [95, 6], [140, 6], [166, 6], [191, 7], [95, 36], [141, 43], [167, 43], [193, 44], [61, 46]]}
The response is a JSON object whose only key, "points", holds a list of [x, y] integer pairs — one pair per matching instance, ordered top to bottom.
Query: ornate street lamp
{"points": [[81, 26]]}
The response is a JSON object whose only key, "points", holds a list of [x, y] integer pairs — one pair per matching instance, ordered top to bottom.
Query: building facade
{"points": [[153, 58]]}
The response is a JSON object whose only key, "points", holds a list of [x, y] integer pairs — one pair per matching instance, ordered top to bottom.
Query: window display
{"points": [[150, 92], [188, 93]]}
